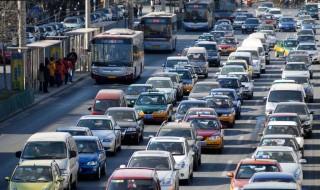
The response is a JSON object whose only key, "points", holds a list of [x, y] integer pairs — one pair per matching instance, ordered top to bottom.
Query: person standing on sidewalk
{"points": [[140, 9], [135, 11], [73, 57], [68, 66], [52, 69], [60, 72], [46, 76], [41, 77]]}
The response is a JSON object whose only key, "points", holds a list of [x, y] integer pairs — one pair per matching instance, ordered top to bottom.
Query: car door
{"points": [[117, 133], [197, 143], [188, 152], [102, 153], [74, 164], [175, 172]]}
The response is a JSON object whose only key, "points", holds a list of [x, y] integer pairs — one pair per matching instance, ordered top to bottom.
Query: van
{"points": [[262, 36], [213, 52], [263, 55], [198, 56], [242, 56], [255, 57], [174, 60], [283, 93], [107, 98], [57, 146]]}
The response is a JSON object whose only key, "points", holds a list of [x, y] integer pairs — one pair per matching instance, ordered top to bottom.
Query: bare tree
{"points": [[8, 29]]}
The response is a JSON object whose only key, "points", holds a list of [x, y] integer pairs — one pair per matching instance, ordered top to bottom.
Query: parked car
{"points": [[72, 23], [34, 30], [30, 38]]}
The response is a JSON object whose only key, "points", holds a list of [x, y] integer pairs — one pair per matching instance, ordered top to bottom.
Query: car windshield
{"points": [[269, 5], [262, 9], [275, 12], [268, 17], [302, 17], [240, 18], [71, 20], [287, 20], [252, 21], [222, 22], [308, 22], [224, 27], [266, 27], [48, 28], [42, 29], [305, 32], [218, 34], [206, 38], [306, 38], [228, 41], [291, 43], [209, 47], [307, 47], [254, 54], [196, 57], [240, 58], [298, 58], [171, 63], [238, 63], [296, 67], [227, 70], [183, 74], [173, 78], [299, 80], [160, 83], [228, 83], [204, 88], [136, 90], [230, 94], [285, 96], [151, 100], [221, 103], [103, 104], [184, 107], [298, 109], [199, 112], [122, 116], [284, 118], [204, 123], [96, 124], [282, 130], [74, 133], [186, 133], [279, 142], [87, 147], [175, 148], [44, 150], [280, 156], [158, 163], [246, 171], [32, 174], [285, 179], [129, 184]]}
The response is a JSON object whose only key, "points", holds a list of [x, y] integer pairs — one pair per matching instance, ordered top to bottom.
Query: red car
{"points": [[268, 19], [227, 45], [199, 111], [210, 128], [247, 167], [133, 178]]}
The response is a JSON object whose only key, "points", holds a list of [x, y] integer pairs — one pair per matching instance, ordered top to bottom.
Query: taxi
{"points": [[227, 45], [283, 47], [242, 63], [187, 78], [154, 106], [224, 107], [199, 111], [211, 130], [249, 166]]}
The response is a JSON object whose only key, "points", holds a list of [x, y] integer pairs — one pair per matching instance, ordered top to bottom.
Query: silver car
{"points": [[244, 77], [166, 85], [307, 85], [105, 128]]}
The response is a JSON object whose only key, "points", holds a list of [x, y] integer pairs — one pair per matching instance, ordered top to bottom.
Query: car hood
{"points": [[226, 45], [295, 73], [246, 84], [165, 90], [198, 96], [131, 97], [271, 105], [150, 107], [223, 110], [304, 118], [124, 124], [208, 133], [101, 134], [85, 158], [179, 158], [289, 167], [163, 174], [31, 186]]}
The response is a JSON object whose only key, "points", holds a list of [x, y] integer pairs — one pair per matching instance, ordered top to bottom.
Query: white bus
{"points": [[117, 54]]}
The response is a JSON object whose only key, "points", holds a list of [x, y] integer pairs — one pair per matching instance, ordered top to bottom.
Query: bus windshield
{"points": [[195, 13], [157, 28], [109, 52]]}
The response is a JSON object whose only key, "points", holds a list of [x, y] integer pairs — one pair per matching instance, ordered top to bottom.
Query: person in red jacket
{"points": [[69, 67], [60, 72]]}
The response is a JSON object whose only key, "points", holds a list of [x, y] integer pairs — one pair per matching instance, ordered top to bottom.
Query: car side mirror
{"points": [[264, 99], [89, 108], [117, 128], [151, 136], [199, 138], [191, 152], [72, 153], [18, 154], [302, 161], [122, 166], [230, 174], [7, 179], [60, 179]]}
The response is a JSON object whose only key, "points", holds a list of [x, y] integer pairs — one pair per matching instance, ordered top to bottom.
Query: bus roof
{"points": [[199, 2], [160, 14], [120, 33]]}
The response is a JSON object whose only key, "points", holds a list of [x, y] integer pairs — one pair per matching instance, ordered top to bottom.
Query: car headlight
{"points": [[243, 26], [94, 70], [129, 71], [189, 84], [139, 111], [160, 111], [226, 115], [131, 129], [214, 138], [108, 139], [92, 163], [182, 164], [63, 172], [297, 175], [167, 181]]}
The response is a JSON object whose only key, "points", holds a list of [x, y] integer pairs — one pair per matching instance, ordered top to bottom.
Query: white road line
{"points": [[240, 139], [226, 169]]}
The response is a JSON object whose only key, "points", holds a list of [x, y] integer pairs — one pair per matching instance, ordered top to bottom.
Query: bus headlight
{"points": [[94, 70], [129, 71]]}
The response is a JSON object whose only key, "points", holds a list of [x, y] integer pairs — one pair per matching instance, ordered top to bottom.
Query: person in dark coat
{"points": [[135, 11], [73, 57], [41, 76], [46, 76]]}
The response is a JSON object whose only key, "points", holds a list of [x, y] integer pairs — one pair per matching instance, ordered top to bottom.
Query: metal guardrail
{"points": [[84, 63]]}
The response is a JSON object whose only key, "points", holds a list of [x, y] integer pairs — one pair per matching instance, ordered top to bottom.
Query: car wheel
{"points": [[263, 70], [206, 75], [258, 75], [251, 96], [311, 100], [233, 124], [309, 134], [137, 140], [119, 148], [114, 153], [199, 161], [195, 164], [104, 170], [98, 174], [187, 181], [70, 185], [74, 185]]}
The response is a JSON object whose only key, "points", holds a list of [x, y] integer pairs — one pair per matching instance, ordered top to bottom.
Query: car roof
{"points": [[207, 42], [307, 43], [243, 54], [177, 58], [236, 61], [295, 63], [233, 66], [166, 73], [238, 73], [226, 77], [159, 78], [206, 83], [142, 85], [286, 86], [224, 89], [153, 93], [108, 94], [192, 101], [291, 103], [120, 109], [201, 109], [283, 114], [203, 116], [96, 117], [281, 123], [179, 125], [73, 128], [49, 136], [279, 136], [86, 138], [168, 139], [275, 148], [158, 153], [258, 161], [133, 173], [273, 174], [270, 185]]}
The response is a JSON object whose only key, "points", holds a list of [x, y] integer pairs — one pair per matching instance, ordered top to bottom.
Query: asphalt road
{"points": [[65, 108]]}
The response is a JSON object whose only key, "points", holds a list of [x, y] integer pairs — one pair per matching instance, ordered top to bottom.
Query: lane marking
{"points": [[240, 139], [226, 169]]}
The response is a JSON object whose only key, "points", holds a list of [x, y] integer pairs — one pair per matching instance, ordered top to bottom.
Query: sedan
{"points": [[301, 18], [222, 21], [238, 21], [287, 24], [309, 24], [250, 25], [227, 28], [30, 38], [307, 38], [227, 45], [311, 48], [295, 68], [246, 82], [166, 85], [307, 85], [202, 89], [133, 91], [185, 105], [132, 126]]}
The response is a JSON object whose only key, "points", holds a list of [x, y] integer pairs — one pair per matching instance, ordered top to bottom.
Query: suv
{"points": [[174, 60], [187, 78], [184, 129]]}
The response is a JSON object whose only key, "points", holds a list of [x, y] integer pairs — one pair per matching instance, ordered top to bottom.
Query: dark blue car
{"points": [[287, 24], [250, 25], [236, 100], [92, 156]]}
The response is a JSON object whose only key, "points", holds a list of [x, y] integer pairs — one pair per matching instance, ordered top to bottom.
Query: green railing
{"points": [[15, 102]]}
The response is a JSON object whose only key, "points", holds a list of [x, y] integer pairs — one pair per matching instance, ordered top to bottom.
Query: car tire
{"points": [[263, 70], [206, 75], [258, 75], [311, 76], [251, 96], [311, 100], [233, 124], [309, 134], [137, 140], [114, 153], [199, 161], [196, 164], [104, 170], [97, 176], [187, 181], [69, 185], [74, 185]]}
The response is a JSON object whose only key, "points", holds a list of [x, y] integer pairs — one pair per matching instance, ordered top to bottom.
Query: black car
{"points": [[250, 25], [233, 83], [133, 91], [132, 126]]}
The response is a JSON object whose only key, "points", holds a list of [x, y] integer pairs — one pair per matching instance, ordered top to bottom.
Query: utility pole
{"points": [[87, 13], [130, 14], [22, 35]]}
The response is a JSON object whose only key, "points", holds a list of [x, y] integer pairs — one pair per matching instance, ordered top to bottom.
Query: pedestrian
{"points": [[153, 8], [140, 9], [135, 11], [73, 57], [68, 66], [52, 69], [60, 72], [46, 76], [41, 77]]}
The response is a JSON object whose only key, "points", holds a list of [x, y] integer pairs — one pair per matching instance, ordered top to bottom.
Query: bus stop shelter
{"points": [[80, 40], [65, 43], [38, 52]]}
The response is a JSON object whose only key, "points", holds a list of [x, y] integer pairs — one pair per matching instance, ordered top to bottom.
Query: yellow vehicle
{"points": [[283, 47], [241, 63], [36, 174]]}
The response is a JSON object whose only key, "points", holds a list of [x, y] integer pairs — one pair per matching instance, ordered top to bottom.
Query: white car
{"points": [[261, 11], [275, 12], [301, 18], [72, 23], [271, 37], [30, 38], [311, 48], [174, 60], [294, 69], [225, 70], [246, 82], [166, 85], [105, 128], [181, 152], [285, 156], [162, 162]]}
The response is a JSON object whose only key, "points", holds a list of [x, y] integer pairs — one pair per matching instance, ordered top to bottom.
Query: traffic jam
{"points": [[192, 110]]}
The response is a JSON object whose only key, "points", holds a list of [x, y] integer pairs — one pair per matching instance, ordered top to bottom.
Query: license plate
{"points": [[195, 28], [249, 29], [156, 47], [224, 50], [111, 77], [148, 116], [203, 143], [80, 169]]}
